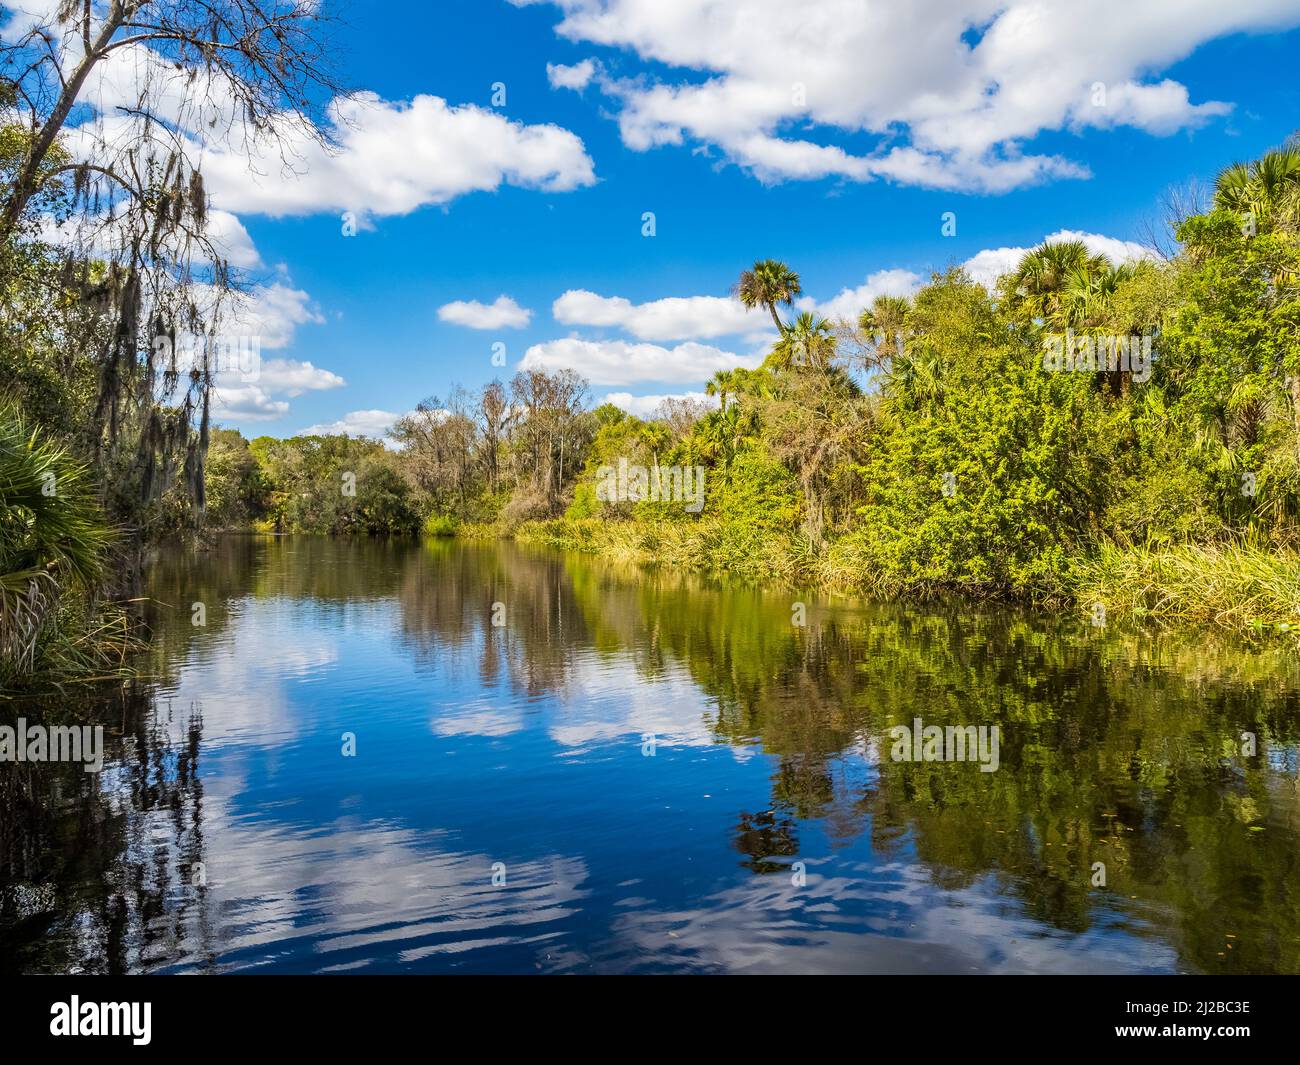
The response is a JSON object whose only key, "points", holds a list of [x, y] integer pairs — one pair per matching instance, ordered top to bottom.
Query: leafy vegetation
{"points": [[1122, 434], [933, 446], [53, 541]]}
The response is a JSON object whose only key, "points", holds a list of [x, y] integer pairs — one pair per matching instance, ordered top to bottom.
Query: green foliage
{"points": [[956, 458], [332, 484], [236, 486], [995, 489], [49, 519], [441, 525], [53, 540]]}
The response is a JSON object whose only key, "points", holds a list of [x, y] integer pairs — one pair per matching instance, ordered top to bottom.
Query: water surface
{"points": [[646, 772]]}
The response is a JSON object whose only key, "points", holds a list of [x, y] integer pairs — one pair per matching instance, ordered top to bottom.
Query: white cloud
{"points": [[576, 77], [954, 91], [385, 157], [393, 158], [104, 237], [231, 240], [991, 263], [852, 301], [272, 313], [501, 313], [268, 317], [674, 318], [617, 362], [293, 378], [264, 395], [247, 402], [646, 406], [372, 423]]}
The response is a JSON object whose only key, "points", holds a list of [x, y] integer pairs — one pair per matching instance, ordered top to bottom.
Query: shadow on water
{"points": [[646, 771]]}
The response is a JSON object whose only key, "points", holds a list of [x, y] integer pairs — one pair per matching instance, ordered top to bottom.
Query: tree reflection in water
{"points": [[1117, 747]]}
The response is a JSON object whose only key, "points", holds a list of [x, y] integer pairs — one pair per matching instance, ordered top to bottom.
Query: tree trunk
{"points": [[25, 183]]}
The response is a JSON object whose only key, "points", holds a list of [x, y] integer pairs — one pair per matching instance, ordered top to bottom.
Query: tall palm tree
{"points": [[1267, 189], [767, 283], [886, 318], [809, 341], [722, 384]]}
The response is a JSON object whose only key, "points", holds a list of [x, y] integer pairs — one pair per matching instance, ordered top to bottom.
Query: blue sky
{"points": [[990, 111]]}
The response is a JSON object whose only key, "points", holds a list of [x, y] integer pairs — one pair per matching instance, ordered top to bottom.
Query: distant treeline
{"points": [[1005, 441]]}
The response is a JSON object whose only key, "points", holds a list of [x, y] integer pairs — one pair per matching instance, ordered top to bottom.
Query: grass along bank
{"points": [[1245, 587]]}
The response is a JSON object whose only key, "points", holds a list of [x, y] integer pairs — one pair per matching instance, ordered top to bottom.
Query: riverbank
{"points": [[1248, 589]]}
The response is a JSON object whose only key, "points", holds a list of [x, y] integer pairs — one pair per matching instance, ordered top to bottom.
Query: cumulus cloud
{"points": [[576, 77], [958, 89], [383, 157], [394, 157], [103, 236], [231, 240], [851, 301], [271, 313], [501, 313], [673, 318], [265, 319], [617, 362], [293, 378], [263, 395], [246, 402], [647, 406], [371, 423]]}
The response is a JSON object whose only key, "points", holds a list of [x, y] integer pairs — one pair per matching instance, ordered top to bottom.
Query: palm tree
{"points": [[1268, 189], [1044, 276], [767, 283], [1087, 293], [886, 318], [810, 342], [722, 384], [722, 432], [52, 536]]}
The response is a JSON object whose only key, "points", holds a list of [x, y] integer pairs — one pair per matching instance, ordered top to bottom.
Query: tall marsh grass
{"points": [[1243, 586]]}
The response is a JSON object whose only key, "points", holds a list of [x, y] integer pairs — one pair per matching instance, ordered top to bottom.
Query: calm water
{"points": [[671, 776]]}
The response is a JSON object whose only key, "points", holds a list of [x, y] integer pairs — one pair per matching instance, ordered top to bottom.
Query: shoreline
{"points": [[1248, 590]]}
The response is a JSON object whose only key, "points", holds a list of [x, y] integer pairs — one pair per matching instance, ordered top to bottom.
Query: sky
{"points": [[494, 174]]}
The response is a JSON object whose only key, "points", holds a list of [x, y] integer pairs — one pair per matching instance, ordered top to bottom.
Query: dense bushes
{"points": [[1086, 430], [938, 445], [325, 484]]}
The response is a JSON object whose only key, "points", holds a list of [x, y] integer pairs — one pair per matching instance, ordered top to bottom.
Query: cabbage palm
{"points": [[1267, 189], [1044, 276], [767, 283], [1088, 291], [886, 319], [808, 341], [722, 384], [721, 432]]}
